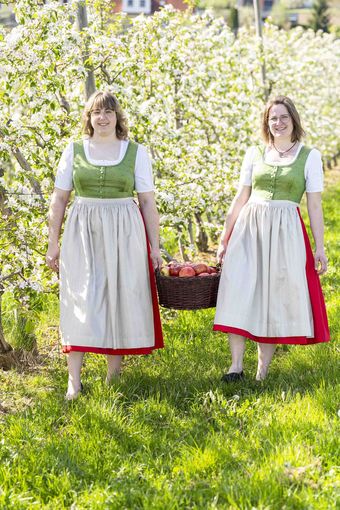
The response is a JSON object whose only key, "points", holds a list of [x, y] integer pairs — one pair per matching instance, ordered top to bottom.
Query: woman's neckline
{"points": [[105, 162], [288, 163]]}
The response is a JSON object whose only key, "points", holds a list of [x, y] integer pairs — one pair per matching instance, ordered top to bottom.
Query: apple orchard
{"points": [[193, 94]]}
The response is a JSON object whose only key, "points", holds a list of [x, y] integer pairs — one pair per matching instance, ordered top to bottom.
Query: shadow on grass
{"points": [[196, 369], [195, 372]]}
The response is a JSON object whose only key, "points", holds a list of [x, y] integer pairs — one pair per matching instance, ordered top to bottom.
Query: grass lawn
{"points": [[169, 434]]}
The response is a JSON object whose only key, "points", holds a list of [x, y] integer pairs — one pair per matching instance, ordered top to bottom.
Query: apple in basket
{"points": [[200, 268], [174, 269], [187, 269], [212, 270], [186, 272]]}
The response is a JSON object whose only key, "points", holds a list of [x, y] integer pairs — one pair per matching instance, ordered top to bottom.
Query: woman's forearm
{"points": [[234, 210], [149, 211], [56, 214], [315, 214], [151, 219], [317, 226]]}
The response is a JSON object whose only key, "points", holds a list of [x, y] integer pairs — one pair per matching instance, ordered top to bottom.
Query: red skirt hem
{"points": [[293, 340], [113, 352]]}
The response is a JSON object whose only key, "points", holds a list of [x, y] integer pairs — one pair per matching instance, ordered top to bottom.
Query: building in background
{"points": [[132, 7], [135, 7], [297, 12], [6, 15]]}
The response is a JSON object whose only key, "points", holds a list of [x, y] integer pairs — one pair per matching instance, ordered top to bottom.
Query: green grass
{"points": [[169, 434]]}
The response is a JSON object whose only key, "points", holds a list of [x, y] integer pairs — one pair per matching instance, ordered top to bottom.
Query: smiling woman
{"points": [[104, 119], [269, 289], [108, 302]]}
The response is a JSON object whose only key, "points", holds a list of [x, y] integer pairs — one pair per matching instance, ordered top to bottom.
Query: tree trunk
{"points": [[90, 85], [191, 232], [213, 235], [201, 236], [181, 247], [4, 346]]}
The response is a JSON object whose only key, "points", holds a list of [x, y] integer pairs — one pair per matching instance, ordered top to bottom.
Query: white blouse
{"points": [[143, 167], [313, 168]]}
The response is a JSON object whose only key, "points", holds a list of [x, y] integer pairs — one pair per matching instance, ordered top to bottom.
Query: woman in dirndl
{"points": [[110, 247], [270, 290]]}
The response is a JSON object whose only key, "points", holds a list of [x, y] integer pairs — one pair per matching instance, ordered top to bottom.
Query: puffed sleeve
{"points": [[247, 167], [143, 171], [314, 172], [64, 179]]}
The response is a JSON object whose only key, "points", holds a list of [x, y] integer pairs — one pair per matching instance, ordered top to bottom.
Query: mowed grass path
{"points": [[169, 434]]}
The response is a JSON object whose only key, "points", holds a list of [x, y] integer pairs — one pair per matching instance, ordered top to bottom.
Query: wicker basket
{"points": [[191, 293]]}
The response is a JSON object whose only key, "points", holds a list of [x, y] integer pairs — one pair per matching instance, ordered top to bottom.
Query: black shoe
{"points": [[232, 377]]}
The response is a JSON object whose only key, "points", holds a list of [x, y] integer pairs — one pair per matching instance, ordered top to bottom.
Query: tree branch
{"points": [[27, 167]]}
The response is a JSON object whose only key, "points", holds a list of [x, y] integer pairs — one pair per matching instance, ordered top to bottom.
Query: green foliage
{"points": [[216, 4], [295, 4], [104, 9], [279, 14], [320, 16], [233, 19], [335, 30], [19, 323]]}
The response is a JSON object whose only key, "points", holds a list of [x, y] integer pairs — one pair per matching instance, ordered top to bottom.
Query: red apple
{"points": [[200, 268], [174, 270], [212, 270], [186, 271], [203, 274]]}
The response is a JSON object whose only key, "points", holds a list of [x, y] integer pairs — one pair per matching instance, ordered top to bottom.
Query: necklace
{"points": [[282, 153]]}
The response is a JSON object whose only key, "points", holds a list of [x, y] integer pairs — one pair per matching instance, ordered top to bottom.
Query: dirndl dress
{"points": [[269, 289], [108, 298]]}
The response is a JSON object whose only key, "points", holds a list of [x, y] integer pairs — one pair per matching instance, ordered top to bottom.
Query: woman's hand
{"points": [[316, 222], [221, 253], [52, 258], [156, 258], [320, 261]]}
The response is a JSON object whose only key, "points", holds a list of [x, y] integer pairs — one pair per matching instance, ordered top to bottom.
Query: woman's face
{"points": [[103, 121], [280, 122]]}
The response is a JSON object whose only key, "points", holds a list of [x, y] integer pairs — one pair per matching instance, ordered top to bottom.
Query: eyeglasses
{"points": [[97, 112], [283, 118]]}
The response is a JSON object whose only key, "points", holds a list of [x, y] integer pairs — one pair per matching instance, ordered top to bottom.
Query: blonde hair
{"points": [[105, 100], [297, 132]]}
